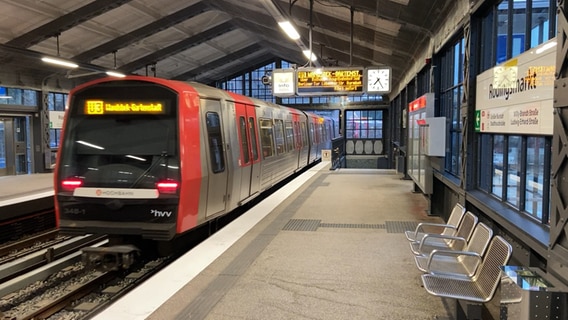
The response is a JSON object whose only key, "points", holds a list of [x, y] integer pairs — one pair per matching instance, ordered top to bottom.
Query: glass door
{"points": [[22, 145], [15, 147]]}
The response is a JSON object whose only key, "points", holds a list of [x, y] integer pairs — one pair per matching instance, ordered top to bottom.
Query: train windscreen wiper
{"points": [[150, 168]]}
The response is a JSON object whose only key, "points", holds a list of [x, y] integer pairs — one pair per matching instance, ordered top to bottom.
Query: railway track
{"points": [[73, 292]]}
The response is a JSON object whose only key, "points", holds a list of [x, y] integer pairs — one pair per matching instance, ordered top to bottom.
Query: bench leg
{"points": [[469, 311]]}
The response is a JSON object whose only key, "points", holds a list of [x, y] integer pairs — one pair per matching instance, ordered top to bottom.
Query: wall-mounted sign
{"points": [[378, 80], [332, 81], [283, 82], [517, 96], [56, 119]]}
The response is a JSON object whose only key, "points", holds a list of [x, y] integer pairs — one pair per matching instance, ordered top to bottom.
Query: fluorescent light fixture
{"points": [[289, 29], [545, 47], [310, 56], [60, 62], [115, 74], [5, 97], [90, 145]]}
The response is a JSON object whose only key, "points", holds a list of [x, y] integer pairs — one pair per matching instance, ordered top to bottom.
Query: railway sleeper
{"points": [[117, 257]]}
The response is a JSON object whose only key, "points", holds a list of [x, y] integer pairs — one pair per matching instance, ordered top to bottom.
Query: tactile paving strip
{"points": [[314, 224], [302, 225], [352, 225], [400, 226]]}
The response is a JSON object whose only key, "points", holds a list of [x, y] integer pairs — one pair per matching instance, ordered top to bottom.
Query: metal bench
{"points": [[449, 228], [438, 241], [458, 263], [479, 288]]}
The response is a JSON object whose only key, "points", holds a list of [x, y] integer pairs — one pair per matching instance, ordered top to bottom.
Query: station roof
{"points": [[212, 40]]}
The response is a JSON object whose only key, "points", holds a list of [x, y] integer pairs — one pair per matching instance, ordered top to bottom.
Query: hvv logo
{"points": [[159, 213]]}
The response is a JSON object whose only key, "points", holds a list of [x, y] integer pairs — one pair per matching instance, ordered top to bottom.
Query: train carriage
{"points": [[154, 158]]}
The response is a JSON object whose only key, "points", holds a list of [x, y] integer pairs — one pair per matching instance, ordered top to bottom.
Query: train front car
{"points": [[118, 170]]}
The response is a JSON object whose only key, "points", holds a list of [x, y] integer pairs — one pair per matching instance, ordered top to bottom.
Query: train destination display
{"points": [[316, 81], [99, 107]]}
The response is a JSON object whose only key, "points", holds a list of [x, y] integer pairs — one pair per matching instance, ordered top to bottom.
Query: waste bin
{"points": [[526, 294]]}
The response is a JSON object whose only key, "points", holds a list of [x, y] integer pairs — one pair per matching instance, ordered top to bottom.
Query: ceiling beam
{"points": [[65, 22], [143, 32], [178, 47], [260, 61], [191, 74]]}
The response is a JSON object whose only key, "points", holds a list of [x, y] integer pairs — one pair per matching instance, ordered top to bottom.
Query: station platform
{"points": [[21, 193], [328, 245]]}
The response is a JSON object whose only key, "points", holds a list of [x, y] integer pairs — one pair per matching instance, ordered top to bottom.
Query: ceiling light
{"points": [[289, 29], [310, 56], [60, 62], [115, 74], [5, 97]]}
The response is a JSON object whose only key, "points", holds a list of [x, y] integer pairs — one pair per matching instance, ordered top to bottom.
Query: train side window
{"points": [[312, 134], [297, 135], [304, 135], [279, 136], [289, 136], [266, 138], [244, 140], [215, 142], [254, 147]]}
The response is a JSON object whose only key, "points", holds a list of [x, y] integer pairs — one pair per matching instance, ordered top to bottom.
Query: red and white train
{"points": [[154, 158]]}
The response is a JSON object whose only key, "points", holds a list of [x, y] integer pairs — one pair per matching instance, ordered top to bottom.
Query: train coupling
{"points": [[117, 257]]}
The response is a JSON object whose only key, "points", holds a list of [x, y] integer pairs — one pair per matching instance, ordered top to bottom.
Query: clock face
{"points": [[505, 77], [378, 80]]}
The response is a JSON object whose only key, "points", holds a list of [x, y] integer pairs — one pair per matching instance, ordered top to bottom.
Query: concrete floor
{"points": [[334, 249]]}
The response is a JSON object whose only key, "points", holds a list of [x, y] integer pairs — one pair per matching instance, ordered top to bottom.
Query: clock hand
{"points": [[379, 82]]}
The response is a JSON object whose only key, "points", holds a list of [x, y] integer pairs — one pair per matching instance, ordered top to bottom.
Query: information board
{"points": [[332, 81], [516, 97]]}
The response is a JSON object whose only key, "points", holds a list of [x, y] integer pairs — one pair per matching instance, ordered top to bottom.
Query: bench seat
{"points": [[479, 288]]}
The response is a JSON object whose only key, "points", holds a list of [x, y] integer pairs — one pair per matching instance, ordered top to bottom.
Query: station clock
{"points": [[378, 80]]}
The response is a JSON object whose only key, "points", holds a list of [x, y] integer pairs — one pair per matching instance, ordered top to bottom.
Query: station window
{"points": [[516, 26], [250, 84], [258, 89], [451, 90], [16, 96], [55, 102], [364, 124], [516, 168], [519, 170]]}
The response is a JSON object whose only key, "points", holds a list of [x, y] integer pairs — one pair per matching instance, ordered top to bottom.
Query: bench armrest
{"points": [[421, 225], [440, 236], [450, 253]]}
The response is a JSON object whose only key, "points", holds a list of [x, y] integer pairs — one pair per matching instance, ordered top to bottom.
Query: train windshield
{"points": [[121, 137]]}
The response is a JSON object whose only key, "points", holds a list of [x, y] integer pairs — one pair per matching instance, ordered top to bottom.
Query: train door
{"points": [[13, 146], [249, 161], [218, 171]]}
